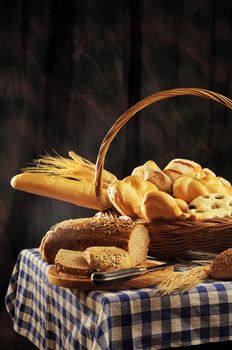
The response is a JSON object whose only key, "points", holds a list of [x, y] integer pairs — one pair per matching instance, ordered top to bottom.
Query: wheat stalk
{"points": [[75, 167]]}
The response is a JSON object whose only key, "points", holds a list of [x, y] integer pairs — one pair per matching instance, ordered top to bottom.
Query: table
{"points": [[58, 318]]}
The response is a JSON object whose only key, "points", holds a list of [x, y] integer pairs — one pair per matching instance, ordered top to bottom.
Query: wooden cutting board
{"points": [[84, 283]]}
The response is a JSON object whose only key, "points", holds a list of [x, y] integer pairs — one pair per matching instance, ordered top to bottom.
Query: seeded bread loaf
{"points": [[79, 234]]}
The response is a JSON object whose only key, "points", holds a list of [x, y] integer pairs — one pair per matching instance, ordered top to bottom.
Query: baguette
{"points": [[68, 190], [80, 234]]}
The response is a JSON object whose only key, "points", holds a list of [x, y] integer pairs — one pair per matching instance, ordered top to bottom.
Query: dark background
{"points": [[68, 69]]}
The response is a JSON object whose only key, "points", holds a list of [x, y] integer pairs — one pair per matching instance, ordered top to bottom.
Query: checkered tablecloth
{"points": [[58, 318]]}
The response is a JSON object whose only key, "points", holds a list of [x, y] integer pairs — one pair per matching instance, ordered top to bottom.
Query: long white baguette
{"points": [[68, 190]]}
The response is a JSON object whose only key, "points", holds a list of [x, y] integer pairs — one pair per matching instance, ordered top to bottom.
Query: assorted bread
{"points": [[183, 189], [173, 198]]}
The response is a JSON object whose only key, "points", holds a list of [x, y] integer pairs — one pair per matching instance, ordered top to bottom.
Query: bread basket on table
{"points": [[171, 238]]}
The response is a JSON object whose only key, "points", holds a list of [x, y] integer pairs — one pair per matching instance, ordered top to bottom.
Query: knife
{"points": [[100, 278]]}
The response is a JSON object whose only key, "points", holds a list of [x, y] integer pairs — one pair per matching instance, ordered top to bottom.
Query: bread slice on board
{"points": [[72, 262]]}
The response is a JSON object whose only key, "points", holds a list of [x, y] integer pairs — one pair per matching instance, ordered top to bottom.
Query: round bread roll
{"points": [[179, 166], [152, 173], [159, 179], [188, 187], [125, 199], [159, 204], [213, 205], [221, 268]]}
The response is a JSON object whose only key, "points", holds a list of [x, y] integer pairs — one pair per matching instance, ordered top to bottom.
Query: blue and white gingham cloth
{"points": [[58, 318]]}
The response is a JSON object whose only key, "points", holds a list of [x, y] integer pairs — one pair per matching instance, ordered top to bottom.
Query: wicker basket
{"points": [[172, 239]]}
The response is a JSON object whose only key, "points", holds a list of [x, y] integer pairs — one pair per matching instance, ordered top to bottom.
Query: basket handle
{"points": [[126, 116]]}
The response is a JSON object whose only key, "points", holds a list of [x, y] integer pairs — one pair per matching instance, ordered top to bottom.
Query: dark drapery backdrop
{"points": [[68, 69]]}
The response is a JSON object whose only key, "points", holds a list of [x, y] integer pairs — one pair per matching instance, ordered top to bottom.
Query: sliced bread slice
{"points": [[107, 258], [72, 262]]}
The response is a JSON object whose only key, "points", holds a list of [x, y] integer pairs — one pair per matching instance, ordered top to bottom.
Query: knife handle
{"points": [[117, 275]]}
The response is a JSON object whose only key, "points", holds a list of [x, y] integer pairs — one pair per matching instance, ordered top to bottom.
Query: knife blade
{"points": [[101, 278]]}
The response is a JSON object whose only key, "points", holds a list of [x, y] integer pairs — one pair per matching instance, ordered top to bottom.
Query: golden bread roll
{"points": [[151, 164], [179, 166], [139, 171], [207, 171], [152, 173], [158, 178], [141, 186], [188, 187], [181, 188], [196, 189], [68, 190], [124, 198], [159, 204], [182, 205], [213, 205], [107, 258], [221, 268]]}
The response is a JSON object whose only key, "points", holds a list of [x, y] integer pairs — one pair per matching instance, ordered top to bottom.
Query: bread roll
{"points": [[151, 164], [180, 166], [139, 171], [152, 173], [159, 179], [141, 186], [188, 188], [68, 190], [125, 199], [160, 205], [182, 205], [213, 205], [80, 234], [107, 258], [72, 262], [221, 268]]}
